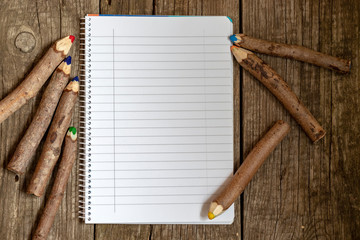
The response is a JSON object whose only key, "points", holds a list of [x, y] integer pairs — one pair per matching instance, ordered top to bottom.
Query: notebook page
{"points": [[159, 109]]}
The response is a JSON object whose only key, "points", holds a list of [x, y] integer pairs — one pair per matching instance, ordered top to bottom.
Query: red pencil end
{"points": [[72, 38]]}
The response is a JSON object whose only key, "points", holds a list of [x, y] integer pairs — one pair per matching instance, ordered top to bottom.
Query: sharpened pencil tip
{"points": [[72, 38], [233, 38], [232, 47], [68, 60], [76, 79], [72, 133], [211, 216]]}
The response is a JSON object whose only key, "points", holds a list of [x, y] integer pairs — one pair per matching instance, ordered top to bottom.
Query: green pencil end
{"points": [[72, 130], [72, 133]]}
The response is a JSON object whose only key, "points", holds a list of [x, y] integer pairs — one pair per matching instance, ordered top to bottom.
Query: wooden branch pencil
{"points": [[296, 52], [36, 78], [277, 86], [40, 123], [52, 146], [248, 168], [58, 190]]}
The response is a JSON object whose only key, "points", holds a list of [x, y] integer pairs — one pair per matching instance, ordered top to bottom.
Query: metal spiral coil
{"points": [[83, 155]]}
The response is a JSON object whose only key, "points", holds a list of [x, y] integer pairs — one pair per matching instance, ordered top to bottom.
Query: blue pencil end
{"points": [[233, 38], [68, 60], [76, 79]]}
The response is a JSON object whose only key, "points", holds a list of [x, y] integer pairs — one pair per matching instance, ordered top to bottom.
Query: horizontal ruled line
{"points": [[181, 36], [157, 44], [158, 53], [163, 61], [155, 69], [169, 77], [157, 86], [159, 94], [153, 102], [220, 110], [157, 119], [166, 127], [167, 136], [161, 144], [135, 153], [164, 161], [160, 169], [155, 177], [172, 186], [153, 195], [136, 204]]}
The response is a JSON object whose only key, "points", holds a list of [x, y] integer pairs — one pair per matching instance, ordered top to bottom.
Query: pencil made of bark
{"points": [[296, 52], [33, 82], [281, 90], [40, 123], [52, 146], [248, 168], [59, 187]]}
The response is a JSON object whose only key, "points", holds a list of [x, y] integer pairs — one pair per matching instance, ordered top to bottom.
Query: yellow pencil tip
{"points": [[211, 216]]}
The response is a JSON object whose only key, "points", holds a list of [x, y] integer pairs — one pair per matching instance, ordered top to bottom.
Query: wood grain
{"points": [[45, 21], [345, 123], [305, 191]]}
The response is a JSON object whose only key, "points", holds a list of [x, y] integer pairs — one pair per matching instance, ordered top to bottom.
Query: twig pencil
{"points": [[296, 52], [36, 78], [277, 86], [40, 123], [52, 146], [248, 168], [58, 189]]}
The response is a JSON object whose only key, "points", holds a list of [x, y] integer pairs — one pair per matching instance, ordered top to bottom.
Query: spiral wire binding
{"points": [[84, 131]]}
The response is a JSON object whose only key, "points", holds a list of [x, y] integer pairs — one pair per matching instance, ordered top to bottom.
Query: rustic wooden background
{"points": [[303, 191]]}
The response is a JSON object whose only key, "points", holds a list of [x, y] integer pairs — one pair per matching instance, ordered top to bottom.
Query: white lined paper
{"points": [[159, 110]]}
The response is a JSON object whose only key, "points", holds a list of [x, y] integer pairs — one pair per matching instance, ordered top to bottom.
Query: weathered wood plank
{"points": [[125, 7], [210, 8], [44, 22], [260, 111], [345, 133], [303, 190], [299, 192], [121, 231]]}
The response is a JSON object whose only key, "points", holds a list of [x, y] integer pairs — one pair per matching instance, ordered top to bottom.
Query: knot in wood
{"points": [[25, 41]]}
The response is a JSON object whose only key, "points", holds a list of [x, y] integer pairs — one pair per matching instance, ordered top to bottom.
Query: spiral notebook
{"points": [[157, 104]]}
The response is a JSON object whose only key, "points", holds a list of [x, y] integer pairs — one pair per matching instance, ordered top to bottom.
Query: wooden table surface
{"points": [[303, 191]]}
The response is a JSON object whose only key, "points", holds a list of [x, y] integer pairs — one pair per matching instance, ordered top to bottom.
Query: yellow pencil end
{"points": [[211, 216]]}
